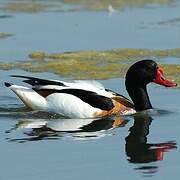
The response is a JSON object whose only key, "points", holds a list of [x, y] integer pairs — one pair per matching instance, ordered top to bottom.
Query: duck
{"points": [[90, 99]]}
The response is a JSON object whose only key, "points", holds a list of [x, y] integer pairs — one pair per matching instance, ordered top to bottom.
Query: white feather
{"points": [[90, 84], [93, 86], [30, 98], [62, 103], [69, 105]]}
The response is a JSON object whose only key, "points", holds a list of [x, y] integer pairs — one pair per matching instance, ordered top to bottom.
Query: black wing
{"points": [[38, 81], [89, 97]]}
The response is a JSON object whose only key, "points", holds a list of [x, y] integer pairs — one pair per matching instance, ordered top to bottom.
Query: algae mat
{"points": [[118, 4], [31, 6], [5, 35], [93, 64]]}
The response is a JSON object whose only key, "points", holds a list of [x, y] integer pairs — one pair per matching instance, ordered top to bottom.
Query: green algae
{"points": [[117, 4], [29, 6], [34, 6], [5, 35], [109, 56], [94, 64]]}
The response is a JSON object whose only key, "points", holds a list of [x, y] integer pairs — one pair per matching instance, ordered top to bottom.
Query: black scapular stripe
{"points": [[38, 81], [117, 94], [89, 97], [124, 99]]}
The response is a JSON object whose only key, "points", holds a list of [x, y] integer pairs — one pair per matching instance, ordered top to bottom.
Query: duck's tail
{"points": [[7, 84], [28, 96]]}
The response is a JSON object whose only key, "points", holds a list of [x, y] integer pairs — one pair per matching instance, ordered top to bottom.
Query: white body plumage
{"points": [[65, 98]]}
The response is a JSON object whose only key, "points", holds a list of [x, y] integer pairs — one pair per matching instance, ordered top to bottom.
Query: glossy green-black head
{"points": [[145, 71], [138, 76]]}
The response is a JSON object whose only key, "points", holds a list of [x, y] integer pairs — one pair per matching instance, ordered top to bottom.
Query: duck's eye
{"points": [[148, 68]]}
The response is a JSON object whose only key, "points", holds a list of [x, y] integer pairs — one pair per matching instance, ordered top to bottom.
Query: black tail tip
{"points": [[7, 84]]}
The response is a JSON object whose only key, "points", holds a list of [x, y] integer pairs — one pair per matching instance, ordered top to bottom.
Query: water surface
{"points": [[89, 30], [38, 145]]}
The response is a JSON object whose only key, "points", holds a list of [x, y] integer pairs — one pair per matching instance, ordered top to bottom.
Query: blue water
{"points": [[82, 30], [38, 145]]}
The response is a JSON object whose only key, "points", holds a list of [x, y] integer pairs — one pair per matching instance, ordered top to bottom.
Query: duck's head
{"points": [[145, 71], [138, 76]]}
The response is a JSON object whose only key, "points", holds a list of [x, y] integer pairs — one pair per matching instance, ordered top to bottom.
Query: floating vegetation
{"points": [[118, 4], [29, 6], [4, 35], [114, 55], [93, 64]]}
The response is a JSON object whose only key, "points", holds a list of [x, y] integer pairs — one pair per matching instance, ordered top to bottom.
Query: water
{"points": [[88, 31], [38, 145]]}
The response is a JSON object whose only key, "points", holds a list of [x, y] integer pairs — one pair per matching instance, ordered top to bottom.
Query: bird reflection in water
{"points": [[79, 129], [138, 150], [141, 152]]}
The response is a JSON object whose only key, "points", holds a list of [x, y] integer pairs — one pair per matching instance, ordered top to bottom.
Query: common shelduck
{"points": [[89, 99]]}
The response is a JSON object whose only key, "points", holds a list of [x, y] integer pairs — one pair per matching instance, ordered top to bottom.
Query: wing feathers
{"points": [[38, 81], [90, 92], [92, 98]]}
